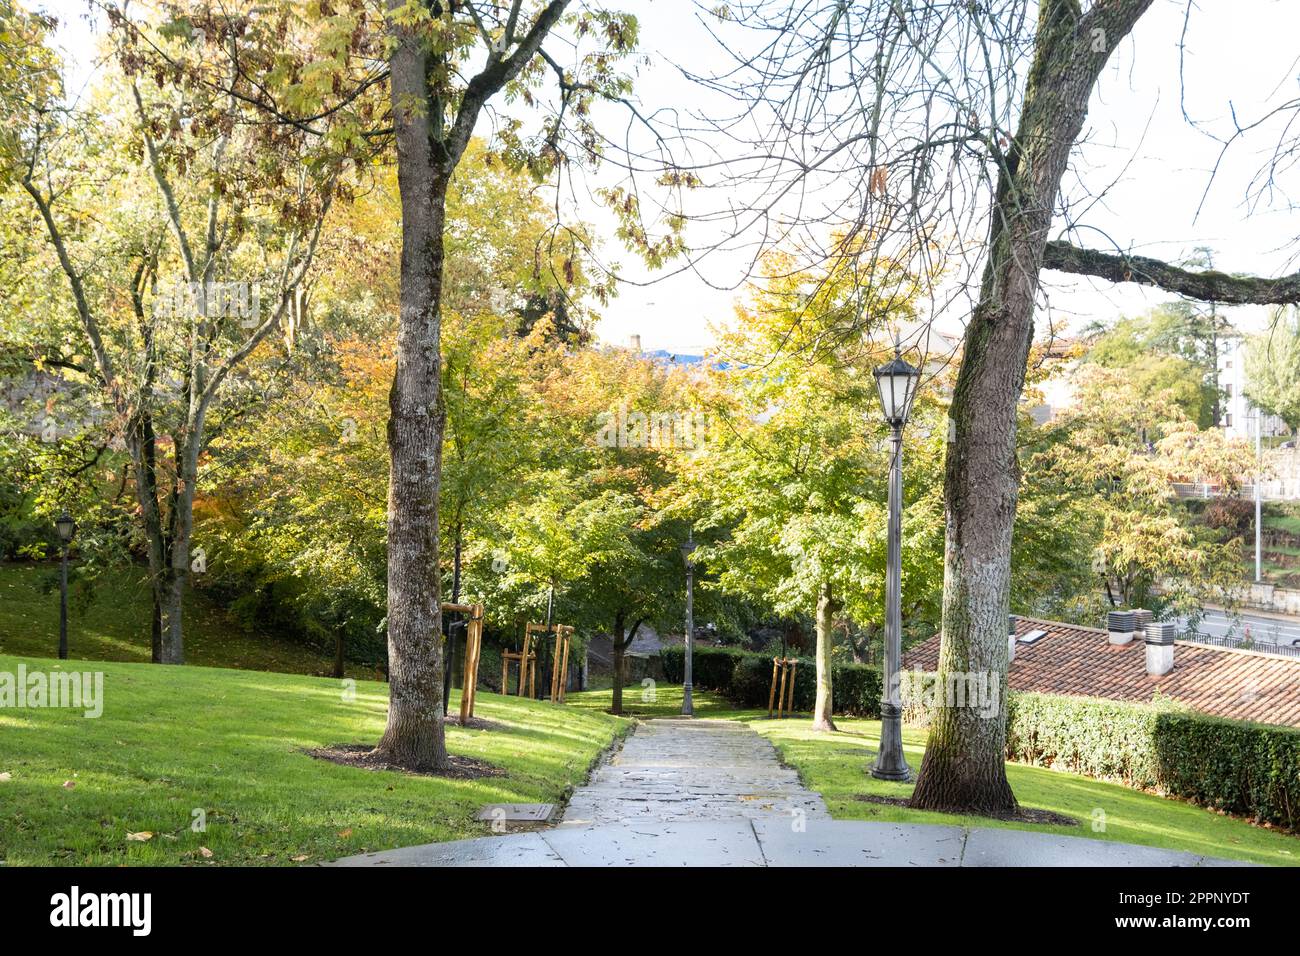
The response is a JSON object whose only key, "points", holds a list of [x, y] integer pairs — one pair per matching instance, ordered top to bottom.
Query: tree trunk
{"points": [[142, 444], [181, 522], [455, 563], [826, 608], [155, 626], [173, 638], [618, 647], [414, 737], [963, 768]]}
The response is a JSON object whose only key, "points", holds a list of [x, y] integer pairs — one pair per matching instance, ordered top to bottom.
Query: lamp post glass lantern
{"points": [[896, 381], [66, 528], [688, 706]]}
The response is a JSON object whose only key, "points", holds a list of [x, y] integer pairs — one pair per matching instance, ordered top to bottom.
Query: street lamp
{"points": [[896, 381], [66, 528], [688, 707]]}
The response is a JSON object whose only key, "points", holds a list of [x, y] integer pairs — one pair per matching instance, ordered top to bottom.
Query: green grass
{"points": [[1282, 518], [114, 625], [666, 701], [175, 739], [836, 764]]}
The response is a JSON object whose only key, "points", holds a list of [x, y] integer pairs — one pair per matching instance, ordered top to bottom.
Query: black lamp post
{"points": [[896, 381], [66, 528], [688, 706]]}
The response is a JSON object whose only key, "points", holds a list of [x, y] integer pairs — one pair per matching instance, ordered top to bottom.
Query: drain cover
{"points": [[517, 812]]}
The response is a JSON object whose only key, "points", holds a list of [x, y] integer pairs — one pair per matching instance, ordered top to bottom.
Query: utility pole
{"points": [[1259, 501]]}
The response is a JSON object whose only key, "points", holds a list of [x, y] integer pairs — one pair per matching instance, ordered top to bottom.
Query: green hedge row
{"points": [[745, 679], [1231, 765], [1243, 768]]}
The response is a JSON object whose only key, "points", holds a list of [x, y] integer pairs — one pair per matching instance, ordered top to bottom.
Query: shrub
{"points": [[1232, 514], [745, 679], [1238, 767]]}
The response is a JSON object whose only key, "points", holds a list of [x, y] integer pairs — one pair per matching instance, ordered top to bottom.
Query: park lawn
{"points": [[114, 625], [664, 701], [172, 740], [836, 765]]}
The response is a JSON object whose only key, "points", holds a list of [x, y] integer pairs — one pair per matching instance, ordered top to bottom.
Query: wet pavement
{"points": [[679, 770], [713, 793]]}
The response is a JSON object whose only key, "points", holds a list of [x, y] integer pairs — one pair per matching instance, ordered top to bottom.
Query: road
{"points": [[1262, 629]]}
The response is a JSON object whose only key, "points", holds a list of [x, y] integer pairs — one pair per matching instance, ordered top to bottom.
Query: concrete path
{"points": [[682, 769], [712, 793], [775, 842]]}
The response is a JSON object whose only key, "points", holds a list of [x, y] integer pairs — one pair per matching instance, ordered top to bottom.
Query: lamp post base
{"points": [[688, 706], [890, 763]]}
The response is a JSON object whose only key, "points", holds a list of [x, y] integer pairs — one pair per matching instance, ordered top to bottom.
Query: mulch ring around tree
{"points": [[474, 723], [363, 756], [1022, 815]]}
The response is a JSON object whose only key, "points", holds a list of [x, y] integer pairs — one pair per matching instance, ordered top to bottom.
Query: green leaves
{"points": [[1273, 368]]}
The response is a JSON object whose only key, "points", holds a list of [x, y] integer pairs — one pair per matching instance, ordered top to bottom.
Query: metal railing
{"points": [[1281, 489], [1242, 644]]}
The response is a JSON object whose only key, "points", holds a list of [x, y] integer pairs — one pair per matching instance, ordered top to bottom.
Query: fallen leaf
{"points": [[6, 776], [69, 784], [345, 833], [143, 836], [205, 853], [301, 858]]}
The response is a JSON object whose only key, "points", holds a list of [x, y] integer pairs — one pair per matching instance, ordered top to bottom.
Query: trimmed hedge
{"points": [[745, 679], [1231, 765], [1248, 769]]}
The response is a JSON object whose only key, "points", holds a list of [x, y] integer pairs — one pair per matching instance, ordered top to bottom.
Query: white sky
{"points": [[1240, 54]]}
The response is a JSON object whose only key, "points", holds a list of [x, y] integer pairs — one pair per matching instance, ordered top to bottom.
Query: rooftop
{"points": [[1068, 659]]}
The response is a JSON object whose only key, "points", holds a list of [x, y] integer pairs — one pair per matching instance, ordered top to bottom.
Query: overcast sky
{"points": [[1240, 54]]}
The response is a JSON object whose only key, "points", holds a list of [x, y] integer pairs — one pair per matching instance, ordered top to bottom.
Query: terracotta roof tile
{"points": [[1244, 685]]}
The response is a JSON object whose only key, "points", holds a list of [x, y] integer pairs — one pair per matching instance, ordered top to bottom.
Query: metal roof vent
{"points": [[1120, 625]]}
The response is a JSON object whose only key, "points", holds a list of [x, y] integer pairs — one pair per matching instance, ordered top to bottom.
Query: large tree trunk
{"points": [[826, 608], [414, 737], [964, 768]]}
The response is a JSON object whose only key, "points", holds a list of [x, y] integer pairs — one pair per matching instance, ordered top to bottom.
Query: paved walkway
{"points": [[679, 770], [712, 793]]}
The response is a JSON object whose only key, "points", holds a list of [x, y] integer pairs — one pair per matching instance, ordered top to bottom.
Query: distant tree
{"points": [[181, 248], [1162, 352], [1273, 369], [797, 463], [1146, 551]]}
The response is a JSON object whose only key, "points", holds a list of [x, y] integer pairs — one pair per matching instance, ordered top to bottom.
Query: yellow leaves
{"points": [[413, 13], [317, 77], [144, 836]]}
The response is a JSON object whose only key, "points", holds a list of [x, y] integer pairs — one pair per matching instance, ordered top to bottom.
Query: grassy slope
{"points": [[114, 626], [175, 739], [836, 766]]}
